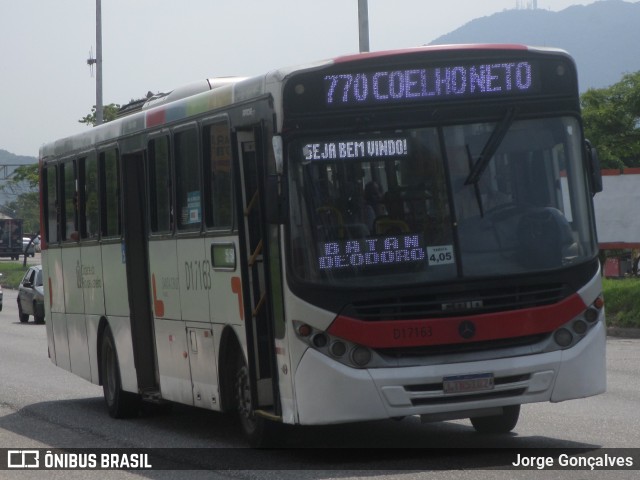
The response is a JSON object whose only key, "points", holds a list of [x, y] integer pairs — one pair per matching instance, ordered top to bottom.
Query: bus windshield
{"points": [[436, 204]]}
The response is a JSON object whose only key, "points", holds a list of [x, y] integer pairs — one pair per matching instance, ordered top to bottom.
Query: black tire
{"points": [[24, 317], [37, 318], [120, 404], [502, 423], [259, 431]]}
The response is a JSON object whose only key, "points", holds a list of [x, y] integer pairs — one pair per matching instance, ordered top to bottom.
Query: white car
{"points": [[32, 246]]}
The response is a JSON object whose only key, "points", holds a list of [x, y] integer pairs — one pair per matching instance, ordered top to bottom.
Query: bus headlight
{"points": [[591, 315], [580, 327], [576, 329], [563, 337], [320, 340], [340, 350], [360, 355]]}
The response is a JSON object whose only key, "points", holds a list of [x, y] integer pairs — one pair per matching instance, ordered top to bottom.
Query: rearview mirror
{"points": [[595, 173]]}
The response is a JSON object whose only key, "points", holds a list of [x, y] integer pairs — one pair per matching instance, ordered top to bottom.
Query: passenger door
{"points": [[253, 253], [137, 266]]}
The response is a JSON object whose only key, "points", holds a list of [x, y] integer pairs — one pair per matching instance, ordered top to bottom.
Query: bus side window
{"points": [[216, 141], [88, 190], [188, 197], [70, 198], [110, 198], [161, 205], [52, 214]]}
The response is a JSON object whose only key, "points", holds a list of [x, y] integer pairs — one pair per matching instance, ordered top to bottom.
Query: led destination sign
{"points": [[392, 86], [354, 149], [374, 252]]}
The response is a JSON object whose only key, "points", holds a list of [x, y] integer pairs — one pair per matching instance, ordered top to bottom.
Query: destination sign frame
{"points": [[413, 74]]}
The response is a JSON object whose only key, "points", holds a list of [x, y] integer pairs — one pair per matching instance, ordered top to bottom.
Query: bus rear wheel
{"points": [[120, 404], [503, 423], [259, 431]]}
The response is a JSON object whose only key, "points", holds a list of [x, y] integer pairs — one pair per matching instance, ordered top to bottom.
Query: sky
{"points": [[157, 45]]}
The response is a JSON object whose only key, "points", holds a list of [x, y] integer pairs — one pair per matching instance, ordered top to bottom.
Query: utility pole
{"points": [[363, 24], [99, 112]]}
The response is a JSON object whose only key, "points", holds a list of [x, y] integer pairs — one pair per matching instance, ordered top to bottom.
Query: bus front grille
{"points": [[471, 302]]}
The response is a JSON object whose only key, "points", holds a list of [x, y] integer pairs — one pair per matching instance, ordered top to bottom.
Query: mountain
{"points": [[602, 37], [8, 158]]}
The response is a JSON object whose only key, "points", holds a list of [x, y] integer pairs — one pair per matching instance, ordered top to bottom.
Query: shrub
{"points": [[622, 302]]}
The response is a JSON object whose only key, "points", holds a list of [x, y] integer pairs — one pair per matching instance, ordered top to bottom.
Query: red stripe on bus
{"points": [[430, 48], [156, 117], [443, 331]]}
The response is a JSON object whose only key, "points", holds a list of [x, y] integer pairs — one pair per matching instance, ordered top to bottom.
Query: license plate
{"points": [[468, 383]]}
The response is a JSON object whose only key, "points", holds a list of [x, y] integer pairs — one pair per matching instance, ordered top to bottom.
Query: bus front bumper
{"points": [[329, 392]]}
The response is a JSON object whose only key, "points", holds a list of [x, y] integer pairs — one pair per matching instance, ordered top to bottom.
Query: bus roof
{"points": [[211, 94]]}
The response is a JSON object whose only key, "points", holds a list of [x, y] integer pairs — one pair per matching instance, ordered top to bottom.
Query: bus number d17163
{"points": [[198, 275], [405, 333]]}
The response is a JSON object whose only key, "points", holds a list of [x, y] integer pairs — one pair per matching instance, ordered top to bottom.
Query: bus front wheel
{"points": [[120, 404], [503, 423], [259, 431]]}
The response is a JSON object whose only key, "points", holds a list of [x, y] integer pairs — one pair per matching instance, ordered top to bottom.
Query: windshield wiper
{"points": [[491, 147], [476, 187]]}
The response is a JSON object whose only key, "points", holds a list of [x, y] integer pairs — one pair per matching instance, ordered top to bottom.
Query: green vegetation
{"points": [[109, 112], [612, 121], [23, 186], [12, 273], [621, 298]]}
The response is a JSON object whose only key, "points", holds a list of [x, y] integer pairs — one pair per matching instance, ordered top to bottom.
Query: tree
{"points": [[110, 112], [612, 121], [27, 174], [24, 185]]}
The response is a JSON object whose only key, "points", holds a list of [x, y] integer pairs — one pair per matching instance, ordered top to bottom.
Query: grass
{"points": [[12, 272], [622, 301]]}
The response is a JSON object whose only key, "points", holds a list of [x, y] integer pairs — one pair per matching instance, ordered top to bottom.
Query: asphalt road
{"points": [[42, 406]]}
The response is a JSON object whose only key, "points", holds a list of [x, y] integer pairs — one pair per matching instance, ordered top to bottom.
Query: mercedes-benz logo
{"points": [[467, 329]]}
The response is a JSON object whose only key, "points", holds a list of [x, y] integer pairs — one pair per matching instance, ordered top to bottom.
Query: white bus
{"points": [[376, 236]]}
